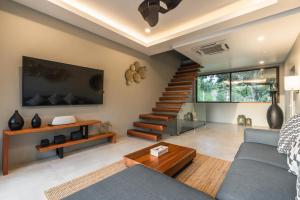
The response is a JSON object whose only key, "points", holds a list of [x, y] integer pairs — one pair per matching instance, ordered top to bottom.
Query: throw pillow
{"points": [[288, 134], [293, 158]]}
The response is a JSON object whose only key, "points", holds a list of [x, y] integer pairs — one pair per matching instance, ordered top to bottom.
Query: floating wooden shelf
{"points": [[50, 128], [111, 136]]}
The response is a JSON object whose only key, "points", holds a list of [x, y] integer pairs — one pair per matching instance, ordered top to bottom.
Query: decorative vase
{"points": [[274, 114], [36, 121], [16, 122]]}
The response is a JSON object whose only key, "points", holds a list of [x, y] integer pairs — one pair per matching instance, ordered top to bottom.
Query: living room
{"points": [[215, 84]]}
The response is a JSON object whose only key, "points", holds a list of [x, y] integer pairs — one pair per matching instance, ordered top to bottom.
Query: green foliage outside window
{"points": [[245, 86]]}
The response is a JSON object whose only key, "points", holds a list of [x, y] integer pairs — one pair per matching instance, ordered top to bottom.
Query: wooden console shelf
{"points": [[83, 127], [50, 128], [111, 136]]}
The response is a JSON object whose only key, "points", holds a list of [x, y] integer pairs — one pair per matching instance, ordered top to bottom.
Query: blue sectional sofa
{"points": [[258, 172]]}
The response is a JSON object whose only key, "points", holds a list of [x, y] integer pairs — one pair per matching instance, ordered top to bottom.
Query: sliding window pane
{"points": [[253, 86], [213, 88]]}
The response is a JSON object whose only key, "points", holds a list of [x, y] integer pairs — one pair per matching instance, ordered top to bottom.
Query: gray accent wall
{"points": [[25, 32]]}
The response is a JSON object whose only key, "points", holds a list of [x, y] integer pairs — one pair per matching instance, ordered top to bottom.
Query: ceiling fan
{"points": [[150, 9]]}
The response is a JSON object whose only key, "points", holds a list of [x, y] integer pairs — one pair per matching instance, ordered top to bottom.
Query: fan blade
{"points": [[171, 4], [149, 9]]}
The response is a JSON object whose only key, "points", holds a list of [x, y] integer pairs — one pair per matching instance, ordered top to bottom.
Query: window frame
{"points": [[230, 83]]}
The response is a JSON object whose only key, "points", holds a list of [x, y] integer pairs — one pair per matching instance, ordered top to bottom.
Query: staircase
{"points": [[163, 118]]}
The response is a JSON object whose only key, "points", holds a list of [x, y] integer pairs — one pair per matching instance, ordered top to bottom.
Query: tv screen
{"points": [[48, 83], [213, 88]]}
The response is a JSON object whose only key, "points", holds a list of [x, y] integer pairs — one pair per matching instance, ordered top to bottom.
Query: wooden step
{"points": [[188, 66], [182, 71], [185, 75], [184, 78], [181, 83], [179, 88], [176, 93], [173, 98], [166, 104], [162, 109], [156, 117], [156, 127], [144, 135]]}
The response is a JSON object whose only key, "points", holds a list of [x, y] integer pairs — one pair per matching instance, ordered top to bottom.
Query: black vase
{"points": [[274, 114], [36, 121], [16, 122]]}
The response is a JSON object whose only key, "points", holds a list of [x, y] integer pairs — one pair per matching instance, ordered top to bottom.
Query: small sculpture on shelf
{"points": [[241, 120], [36, 121], [16, 122], [248, 122], [106, 127], [45, 143]]}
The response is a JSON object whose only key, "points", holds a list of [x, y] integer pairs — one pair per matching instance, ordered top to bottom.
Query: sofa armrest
{"points": [[269, 137]]}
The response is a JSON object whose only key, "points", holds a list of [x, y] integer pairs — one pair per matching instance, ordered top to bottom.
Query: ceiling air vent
{"points": [[212, 48]]}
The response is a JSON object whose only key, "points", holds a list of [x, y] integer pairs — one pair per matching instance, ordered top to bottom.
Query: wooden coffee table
{"points": [[169, 163]]}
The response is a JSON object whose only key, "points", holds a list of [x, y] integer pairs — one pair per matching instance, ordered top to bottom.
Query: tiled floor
{"points": [[30, 181]]}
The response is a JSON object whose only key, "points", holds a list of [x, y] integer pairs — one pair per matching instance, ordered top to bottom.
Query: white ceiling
{"points": [[191, 21], [245, 49]]}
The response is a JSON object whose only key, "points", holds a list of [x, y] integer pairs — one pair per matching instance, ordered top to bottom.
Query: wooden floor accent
{"points": [[205, 174]]}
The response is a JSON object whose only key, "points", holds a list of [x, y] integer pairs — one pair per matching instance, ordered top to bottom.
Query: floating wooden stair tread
{"points": [[190, 65], [182, 71], [186, 74], [185, 78], [181, 83], [179, 88], [176, 93], [173, 98], [169, 103], [162, 109], [156, 117], [156, 127], [144, 135], [68, 143]]}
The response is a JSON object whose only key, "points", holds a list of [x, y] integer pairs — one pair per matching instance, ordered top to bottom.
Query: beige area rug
{"points": [[204, 173]]}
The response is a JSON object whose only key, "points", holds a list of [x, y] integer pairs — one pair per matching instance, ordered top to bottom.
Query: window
{"points": [[242, 86], [214, 88]]}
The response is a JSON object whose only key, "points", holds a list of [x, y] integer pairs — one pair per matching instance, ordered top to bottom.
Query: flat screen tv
{"points": [[48, 83]]}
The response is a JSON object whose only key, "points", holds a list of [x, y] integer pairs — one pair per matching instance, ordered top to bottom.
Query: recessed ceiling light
{"points": [[147, 30], [261, 38], [261, 62]]}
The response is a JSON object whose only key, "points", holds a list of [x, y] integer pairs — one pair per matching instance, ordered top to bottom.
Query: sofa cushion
{"points": [[288, 134], [262, 153], [293, 158], [252, 180], [139, 183]]}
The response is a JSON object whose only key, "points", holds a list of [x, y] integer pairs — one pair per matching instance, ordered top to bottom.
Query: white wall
{"points": [[27, 32], [293, 60]]}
